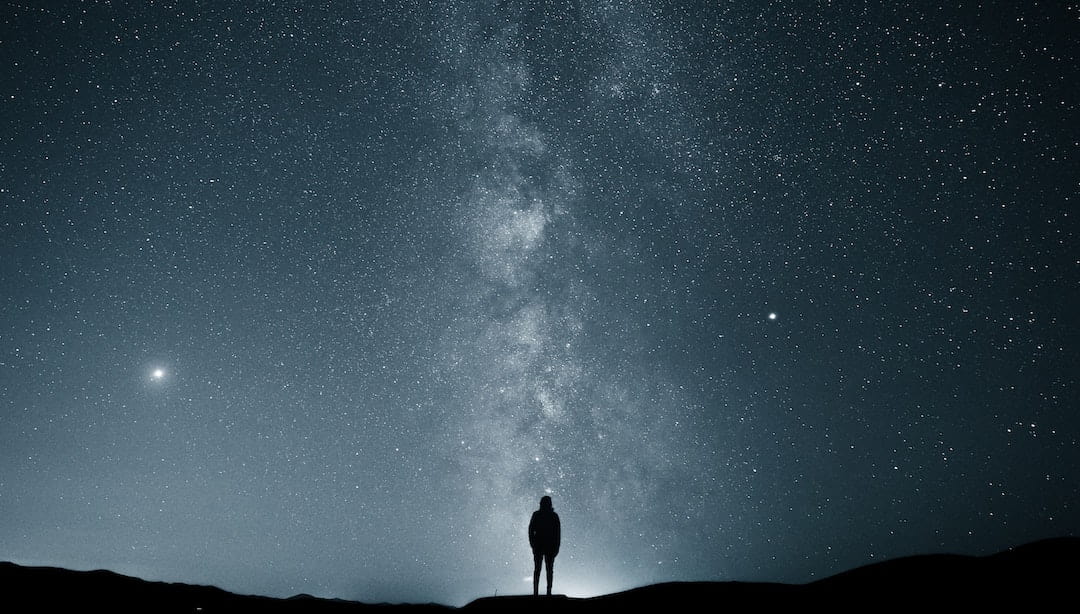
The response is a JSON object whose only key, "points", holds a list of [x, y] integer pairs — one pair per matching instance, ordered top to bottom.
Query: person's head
{"points": [[545, 502]]}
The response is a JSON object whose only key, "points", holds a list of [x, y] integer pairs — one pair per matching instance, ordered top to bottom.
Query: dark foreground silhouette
{"points": [[545, 535], [1032, 576]]}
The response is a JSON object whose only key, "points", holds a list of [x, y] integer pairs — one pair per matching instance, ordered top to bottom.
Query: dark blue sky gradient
{"points": [[754, 290]]}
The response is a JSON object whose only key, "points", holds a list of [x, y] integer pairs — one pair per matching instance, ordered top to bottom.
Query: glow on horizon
{"points": [[578, 586]]}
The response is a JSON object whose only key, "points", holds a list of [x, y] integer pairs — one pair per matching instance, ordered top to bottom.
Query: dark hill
{"points": [[1038, 574], [49, 589]]}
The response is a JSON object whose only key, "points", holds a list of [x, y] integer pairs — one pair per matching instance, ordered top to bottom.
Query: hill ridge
{"points": [[1031, 573]]}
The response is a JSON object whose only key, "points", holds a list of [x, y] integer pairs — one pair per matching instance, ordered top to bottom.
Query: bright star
{"points": [[772, 316], [158, 373]]}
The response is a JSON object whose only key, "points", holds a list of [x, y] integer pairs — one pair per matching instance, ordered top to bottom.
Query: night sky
{"points": [[301, 299]]}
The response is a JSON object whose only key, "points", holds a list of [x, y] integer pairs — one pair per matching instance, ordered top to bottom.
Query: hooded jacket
{"points": [[544, 529]]}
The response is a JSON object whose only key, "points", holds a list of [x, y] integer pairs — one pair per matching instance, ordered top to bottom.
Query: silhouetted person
{"points": [[544, 536]]}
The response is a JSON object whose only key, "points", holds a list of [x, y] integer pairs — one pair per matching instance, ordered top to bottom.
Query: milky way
{"points": [[324, 300]]}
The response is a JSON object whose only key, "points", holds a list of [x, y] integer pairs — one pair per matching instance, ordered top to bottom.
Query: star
{"points": [[158, 374]]}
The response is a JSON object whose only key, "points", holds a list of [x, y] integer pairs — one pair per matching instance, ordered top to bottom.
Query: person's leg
{"points": [[537, 559], [549, 560]]}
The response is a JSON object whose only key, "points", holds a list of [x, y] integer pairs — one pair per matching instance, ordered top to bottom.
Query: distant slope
{"points": [[1042, 572], [1033, 575], [49, 589]]}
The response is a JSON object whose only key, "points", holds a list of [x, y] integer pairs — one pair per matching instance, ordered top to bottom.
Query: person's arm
{"points": [[532, 531], [558, 533]]}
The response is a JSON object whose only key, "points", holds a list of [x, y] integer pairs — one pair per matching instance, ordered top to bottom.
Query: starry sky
{"points": [[324, 299]]}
